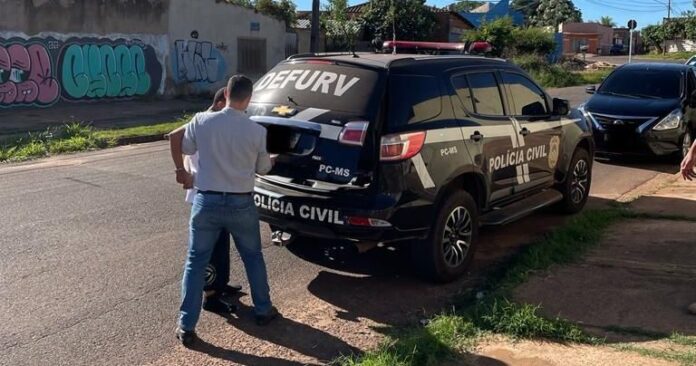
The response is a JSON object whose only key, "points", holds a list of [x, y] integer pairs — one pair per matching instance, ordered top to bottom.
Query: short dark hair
{"points": [[239, 88], [219, 96]]}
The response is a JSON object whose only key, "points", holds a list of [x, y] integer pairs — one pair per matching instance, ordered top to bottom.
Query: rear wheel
{"points": [[576, 188], [449, 249]]}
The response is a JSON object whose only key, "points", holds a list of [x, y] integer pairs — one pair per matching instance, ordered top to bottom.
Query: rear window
{"points": [[643, 83], [338, 88], [413, 99]]}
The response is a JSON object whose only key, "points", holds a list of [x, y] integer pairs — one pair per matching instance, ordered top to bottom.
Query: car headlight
{"points": [[588, 116], [672, 121]]}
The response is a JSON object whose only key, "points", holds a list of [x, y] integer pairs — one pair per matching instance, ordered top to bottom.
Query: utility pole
{"points": [[669, 16], [314, 33]]}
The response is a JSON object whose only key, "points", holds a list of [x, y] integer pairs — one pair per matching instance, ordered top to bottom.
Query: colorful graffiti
{"points": [[198, 62], [41, 71], [105, 71], [26, 76]]}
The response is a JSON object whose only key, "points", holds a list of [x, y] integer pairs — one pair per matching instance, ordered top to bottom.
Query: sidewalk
{"points": [[99, 114], [632, 290]]}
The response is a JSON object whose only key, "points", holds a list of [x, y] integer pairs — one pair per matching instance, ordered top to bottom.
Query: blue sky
{"points": [[645, 12]]}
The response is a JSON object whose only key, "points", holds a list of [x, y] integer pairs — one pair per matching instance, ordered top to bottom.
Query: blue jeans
{"points": [[210, 214]]}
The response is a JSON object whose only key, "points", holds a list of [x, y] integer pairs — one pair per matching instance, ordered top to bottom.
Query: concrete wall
{"points": [[84, 16], [204, 37], [55, 51]]}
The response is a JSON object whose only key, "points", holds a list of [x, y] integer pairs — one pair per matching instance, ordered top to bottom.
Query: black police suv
{"points": [[644, 109], [418, 149]]}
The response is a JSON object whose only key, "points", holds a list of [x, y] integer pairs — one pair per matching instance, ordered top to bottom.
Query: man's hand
{"points": [[687, 165], [185, 178]]}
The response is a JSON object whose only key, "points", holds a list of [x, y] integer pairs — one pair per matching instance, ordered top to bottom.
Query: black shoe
{"points": [[231, 289], [219, 303], [263, 320], [186, 337]]}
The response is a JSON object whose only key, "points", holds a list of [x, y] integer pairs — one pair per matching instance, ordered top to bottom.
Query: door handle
{"points": [[524, 131], [477, 136]]}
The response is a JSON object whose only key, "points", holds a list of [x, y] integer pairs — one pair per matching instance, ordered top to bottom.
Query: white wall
{"points": [[681, 46], [204, 64]]}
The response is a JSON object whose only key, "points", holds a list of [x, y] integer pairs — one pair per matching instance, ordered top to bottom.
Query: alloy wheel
{"points": [[580, 181], [456, 239]]}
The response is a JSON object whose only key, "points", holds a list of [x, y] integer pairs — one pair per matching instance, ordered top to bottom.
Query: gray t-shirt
{"points": [[231, 150]]}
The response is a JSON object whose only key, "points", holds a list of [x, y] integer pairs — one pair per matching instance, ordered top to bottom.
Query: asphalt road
{"points": [[93, 246]]}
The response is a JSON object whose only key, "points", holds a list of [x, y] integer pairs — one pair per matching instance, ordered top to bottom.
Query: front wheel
{"points": [[576, 188], [449, 249]]}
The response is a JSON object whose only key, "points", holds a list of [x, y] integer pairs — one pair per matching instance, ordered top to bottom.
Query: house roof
{"points": [[358, 8], [499, 10], [303, 24]]}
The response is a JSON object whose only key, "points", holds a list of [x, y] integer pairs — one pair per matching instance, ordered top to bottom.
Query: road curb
{"points": [[139, 139], [651, 186]]}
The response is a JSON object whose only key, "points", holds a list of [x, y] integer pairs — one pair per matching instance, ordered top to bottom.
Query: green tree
{"points": [[465, 5], [526, 7], [280, 9], [554, 12], [410, 20], [607, 21], [341, 31], [500, 33], [654, 36]]}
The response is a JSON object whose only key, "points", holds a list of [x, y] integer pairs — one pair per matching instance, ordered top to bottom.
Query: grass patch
{"points": [[557, 75], [73, 137], [451, 334], [683, 340], [686, 358]]}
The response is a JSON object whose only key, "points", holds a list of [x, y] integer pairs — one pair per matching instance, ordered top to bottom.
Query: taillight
{"points": [[354, 133], [401, 146], [366, 221]]}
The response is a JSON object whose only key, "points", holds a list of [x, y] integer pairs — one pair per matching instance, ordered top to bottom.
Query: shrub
{"points": [[535, 41]]}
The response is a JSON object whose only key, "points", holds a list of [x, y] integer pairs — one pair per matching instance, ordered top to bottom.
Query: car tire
{"points": [[686, 141], [576, 187], [449, 249]]}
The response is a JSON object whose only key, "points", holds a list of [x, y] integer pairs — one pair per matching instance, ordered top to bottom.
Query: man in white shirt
{"points": [[232, 150], [688, 173], [218, 292]]}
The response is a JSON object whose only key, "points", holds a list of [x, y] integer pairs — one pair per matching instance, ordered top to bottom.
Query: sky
{"points": [[645, 12]]}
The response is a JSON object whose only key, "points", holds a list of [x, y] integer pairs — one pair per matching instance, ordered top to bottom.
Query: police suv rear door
{"points": [[321, 116], [489, 133]]}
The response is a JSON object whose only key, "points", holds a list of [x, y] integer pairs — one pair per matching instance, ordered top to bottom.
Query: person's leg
{"points": [[243, 223], [204, 230], [218, 270]]}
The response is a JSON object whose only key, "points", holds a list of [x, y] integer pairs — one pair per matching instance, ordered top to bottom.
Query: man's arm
{"points": [[176, 141], [687, 165]]}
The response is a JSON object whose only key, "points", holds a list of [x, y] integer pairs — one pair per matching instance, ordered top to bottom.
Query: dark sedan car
{"points": [[644, 109]]}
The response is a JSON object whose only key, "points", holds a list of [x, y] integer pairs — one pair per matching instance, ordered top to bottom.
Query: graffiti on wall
{"points": [[198, 62], [42, 71], [26, 75]]}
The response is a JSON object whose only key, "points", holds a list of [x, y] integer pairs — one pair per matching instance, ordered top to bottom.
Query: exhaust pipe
{"points": [[281, 238]]}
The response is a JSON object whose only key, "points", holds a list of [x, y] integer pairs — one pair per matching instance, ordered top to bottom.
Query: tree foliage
{"points": [[465, 5], [526, 7], [284, 10], [554, 12], [411, 20], [607, 21], [676, 28], [341, 31], [508, 40]]}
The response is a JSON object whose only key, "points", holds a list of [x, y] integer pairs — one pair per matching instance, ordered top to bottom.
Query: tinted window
{"points": [[643, 83], [461, 86], [336, 88], [527, 98], [413, 99], [487, 100]]}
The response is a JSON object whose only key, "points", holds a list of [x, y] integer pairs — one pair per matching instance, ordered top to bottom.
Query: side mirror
{"points": [[591, 89], [561, 107]]}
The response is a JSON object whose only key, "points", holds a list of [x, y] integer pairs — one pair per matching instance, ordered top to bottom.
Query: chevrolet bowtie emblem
{"points": [[283, 110]]}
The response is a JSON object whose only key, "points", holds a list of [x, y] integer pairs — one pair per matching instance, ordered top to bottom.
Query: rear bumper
{"points": [[326, 216]]}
